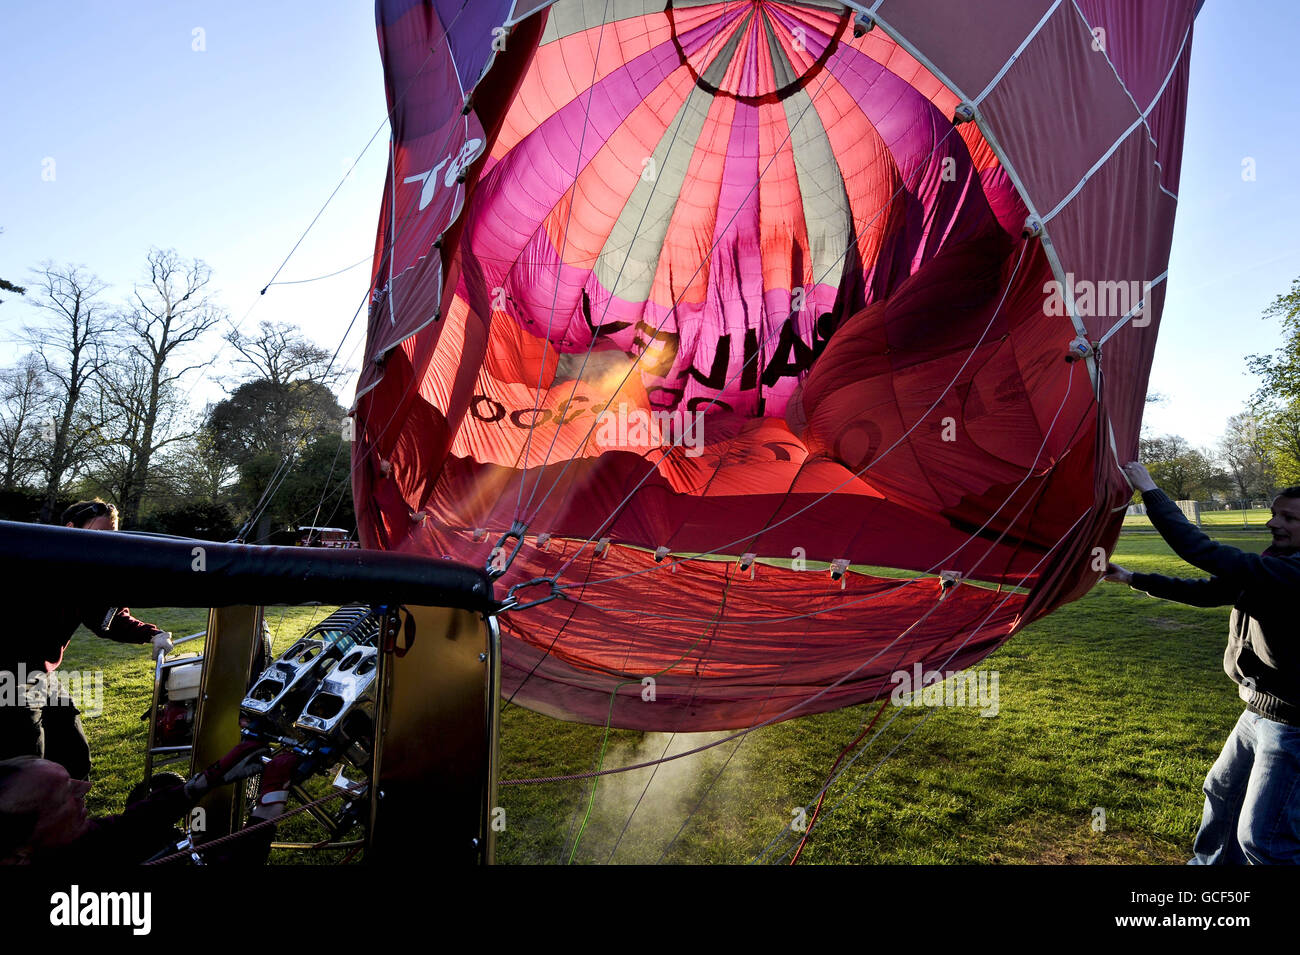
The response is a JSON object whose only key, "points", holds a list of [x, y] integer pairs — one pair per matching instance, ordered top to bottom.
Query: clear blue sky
{"points": [[226, 154]]}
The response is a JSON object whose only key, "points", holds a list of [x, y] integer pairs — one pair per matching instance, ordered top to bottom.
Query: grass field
{"points": [[1254, 518], [1116, 704]]}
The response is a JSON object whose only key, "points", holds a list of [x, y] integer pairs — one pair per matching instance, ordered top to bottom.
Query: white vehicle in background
{"points": [[310, 536]]}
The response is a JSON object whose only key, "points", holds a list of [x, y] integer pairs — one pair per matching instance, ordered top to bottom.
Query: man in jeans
{"points": [[37, 717], [1252, 793]]}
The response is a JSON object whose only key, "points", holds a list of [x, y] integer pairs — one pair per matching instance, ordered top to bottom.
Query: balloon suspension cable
{"points": [[387, 120], [364, 149], [370, 257], [281, 471], [499, 560], [635, 680]]}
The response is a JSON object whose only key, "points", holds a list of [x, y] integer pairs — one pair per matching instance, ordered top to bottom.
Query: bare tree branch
{"points": [[71, 345]]}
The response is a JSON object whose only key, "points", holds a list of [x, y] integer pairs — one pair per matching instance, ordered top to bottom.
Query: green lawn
{"points": [[1256, 517], [1116, 703]]}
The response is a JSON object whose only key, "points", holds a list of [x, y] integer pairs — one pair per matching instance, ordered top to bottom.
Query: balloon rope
{"points": [[388, 117], [329, 275], [276, 481], [613, 697], [812, 821]]}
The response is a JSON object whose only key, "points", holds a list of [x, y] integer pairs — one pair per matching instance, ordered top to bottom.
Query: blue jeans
{"points": [[1252, 797]]}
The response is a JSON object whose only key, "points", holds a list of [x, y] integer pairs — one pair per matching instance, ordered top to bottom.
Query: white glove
{"points": [[162, 645], [241, 762]]}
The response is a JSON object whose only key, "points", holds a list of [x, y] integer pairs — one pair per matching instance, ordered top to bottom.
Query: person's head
{"points": [[93, 515], [1285, 522], [41, 807]]}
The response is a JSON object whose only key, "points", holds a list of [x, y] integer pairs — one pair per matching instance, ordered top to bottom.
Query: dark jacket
{"points": [[40, 634], [1263, 654], [146, 828]]}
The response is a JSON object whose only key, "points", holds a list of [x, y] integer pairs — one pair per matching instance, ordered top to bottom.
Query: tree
{"points": [[10, 287], [169, 312], [71, 347], [281, 354], [24, 401], [1276, 403], [275, 415], [263, 418], [139, 423], [1279, 428], [265, 430], [1246, 458], [194, 469], [1180, 470], [318, 490]]}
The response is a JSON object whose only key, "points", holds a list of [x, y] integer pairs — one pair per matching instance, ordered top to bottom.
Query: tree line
{"points": [[98, 405], [1259, 452]]}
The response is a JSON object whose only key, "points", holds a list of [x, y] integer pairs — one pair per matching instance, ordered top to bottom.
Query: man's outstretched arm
{"points": [[1195, 547], [1214, 592]]}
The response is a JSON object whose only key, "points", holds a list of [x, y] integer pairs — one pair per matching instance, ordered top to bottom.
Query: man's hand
{"points": [[1138, 476], [1117, 574], [162, 645], [241, 762], [277, 777]]}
